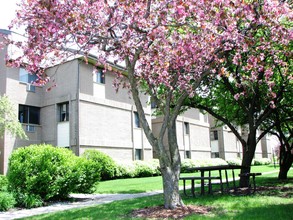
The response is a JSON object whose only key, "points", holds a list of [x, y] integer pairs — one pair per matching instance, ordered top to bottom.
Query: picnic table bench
{"points": [[253, 175], [193, 178], [209, 178]]}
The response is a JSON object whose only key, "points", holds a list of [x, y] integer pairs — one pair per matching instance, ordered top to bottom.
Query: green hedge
{"points": [[234, 161], [262, 161], [104, 163], [186, 164], [138, 168], [41, 173], [3, 183], [7, 201]]}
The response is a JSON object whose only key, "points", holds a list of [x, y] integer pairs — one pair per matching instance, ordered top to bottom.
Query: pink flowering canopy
{"points": [[169, 43]]}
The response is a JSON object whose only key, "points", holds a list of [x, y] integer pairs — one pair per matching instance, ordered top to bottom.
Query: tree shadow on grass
{"points": [[278, 211]]}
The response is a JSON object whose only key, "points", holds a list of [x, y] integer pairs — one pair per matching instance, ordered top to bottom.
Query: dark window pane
{"points": [[100, 76], [64, 112], [29, 114], [34, 115], [136, 120], [186, 127], [138, 155]]}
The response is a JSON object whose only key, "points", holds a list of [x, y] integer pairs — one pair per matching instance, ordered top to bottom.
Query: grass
{"points": [[134, 185], [275, 204]]}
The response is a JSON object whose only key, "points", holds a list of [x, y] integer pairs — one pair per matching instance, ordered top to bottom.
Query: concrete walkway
{"points": [[83, 200]]}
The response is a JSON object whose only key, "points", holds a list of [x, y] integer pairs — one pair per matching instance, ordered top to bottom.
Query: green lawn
{"points": [[138, 185], [272, 205]]}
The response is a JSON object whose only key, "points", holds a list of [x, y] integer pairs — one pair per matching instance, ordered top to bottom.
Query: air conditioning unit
{"points": [[30, 88], [30, 128]]}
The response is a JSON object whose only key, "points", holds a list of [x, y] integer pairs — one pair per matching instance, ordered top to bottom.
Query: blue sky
{"points": [[7, 12]]}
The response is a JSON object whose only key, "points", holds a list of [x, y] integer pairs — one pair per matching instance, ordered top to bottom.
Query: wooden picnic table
{"points": [[219, 168]]}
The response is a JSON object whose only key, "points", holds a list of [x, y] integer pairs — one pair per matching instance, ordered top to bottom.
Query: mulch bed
{"points": [[159, 212]]}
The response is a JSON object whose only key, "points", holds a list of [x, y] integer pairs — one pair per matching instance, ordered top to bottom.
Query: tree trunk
{"points": [[248, 154], [286, 160], [170, 163], [172, 198]]}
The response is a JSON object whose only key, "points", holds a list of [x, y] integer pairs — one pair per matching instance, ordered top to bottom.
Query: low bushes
{"points": [[234, 161], [261, 161], [104, 162], [186, 164], [138, 168], [41, 173], [3, 183], [7, 201]]}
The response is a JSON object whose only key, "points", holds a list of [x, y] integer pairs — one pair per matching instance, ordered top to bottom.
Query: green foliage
{"points": [[9, 120], [234, 161], [261, 161], [105, 164], [186, 164], [138, 168], [145, 168], [125, 169], [41, 170], [40, 173], [86, 173], [3, 183], [28, 200], [7, 201], [275, 205]]}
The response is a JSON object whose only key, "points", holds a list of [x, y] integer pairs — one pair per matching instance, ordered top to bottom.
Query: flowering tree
{"points": [[166, 46], [253, 75], [280, 123]]}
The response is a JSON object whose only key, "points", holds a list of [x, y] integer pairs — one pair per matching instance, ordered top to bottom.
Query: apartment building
{"points": [[83, 111], [193, 134], [225, 145]]}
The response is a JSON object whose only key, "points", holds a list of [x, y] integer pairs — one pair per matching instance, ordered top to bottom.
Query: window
{"points": [[99, 76], [25, 77], [63, 111], [29, 114], [136, 120], [186, 127], [214, 135], [138, 154], [187, 154], [215, 155]]}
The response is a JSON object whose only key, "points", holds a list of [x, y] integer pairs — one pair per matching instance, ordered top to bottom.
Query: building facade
{"points": [[79, 109], [193, 134], [225, 145]]}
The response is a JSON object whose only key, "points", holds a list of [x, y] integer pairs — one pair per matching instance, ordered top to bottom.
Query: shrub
{"points": [[234, 161], [262, 161], [104, 163], [186, 164], [155, 166], [145, 168], [125, 169], [41, 170], [40, 173], [87, 174], [3, 183], [28, 200], [7, 201]]}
